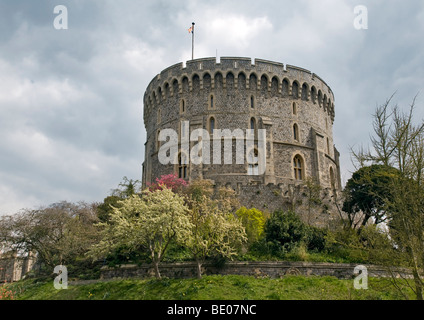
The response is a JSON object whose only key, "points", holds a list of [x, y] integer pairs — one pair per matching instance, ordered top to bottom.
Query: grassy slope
{"points": [[211, 288]]}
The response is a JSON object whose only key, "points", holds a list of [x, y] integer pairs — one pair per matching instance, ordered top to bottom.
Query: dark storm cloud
{"points": [[71, 100]]}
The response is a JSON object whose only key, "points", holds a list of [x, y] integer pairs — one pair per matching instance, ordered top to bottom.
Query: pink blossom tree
{"points": [[169, 181]]}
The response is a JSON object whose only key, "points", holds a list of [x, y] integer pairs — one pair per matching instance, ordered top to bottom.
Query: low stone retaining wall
{"points": [[272, 269]]}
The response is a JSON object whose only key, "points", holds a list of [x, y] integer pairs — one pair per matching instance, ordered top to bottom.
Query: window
{"points": [[295, 90], [304, 95], [314, 95], [211, 102], [252, 102], [182, 106], [294, 108], [159, 116], [252, 123], [211, 125], [296, 132], [158, 143], [182, 166], [298, 167], [253, 168]]}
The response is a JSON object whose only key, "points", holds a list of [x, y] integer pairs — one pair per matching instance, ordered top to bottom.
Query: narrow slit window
{"points": [[211, 125], [295, 132]]}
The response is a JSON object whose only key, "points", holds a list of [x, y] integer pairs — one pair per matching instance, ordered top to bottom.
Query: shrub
{"points": [[253, 220], [284, 231], [316, 238]]}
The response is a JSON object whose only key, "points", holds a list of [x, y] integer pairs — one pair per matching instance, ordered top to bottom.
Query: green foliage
{"points": [[127, 188], [368, 191], [105, 209], [151, 221], [253, 221], [215, 230], [284, 231], [58, 234], [316, 238], [371, 245]]}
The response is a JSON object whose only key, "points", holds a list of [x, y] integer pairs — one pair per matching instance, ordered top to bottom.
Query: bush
{"points": [[253, 221], [284, 231], [316, 239], [347, 245]]}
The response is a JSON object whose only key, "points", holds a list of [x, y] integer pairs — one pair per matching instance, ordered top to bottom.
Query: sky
{"points": [[71, 100]]}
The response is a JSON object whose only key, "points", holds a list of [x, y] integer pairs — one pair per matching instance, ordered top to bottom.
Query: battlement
{"points": [[211, 64], [297, 81]]}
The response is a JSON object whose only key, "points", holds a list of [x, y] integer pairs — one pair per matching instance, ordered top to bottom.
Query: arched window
{"points": [[285, 87], [295, 90], [304, 92], [314, 95], [211, 102], [252, 102], [252, 124], [212, 125], [295, 132], [182, 166], [298, 167], [253, 168]]}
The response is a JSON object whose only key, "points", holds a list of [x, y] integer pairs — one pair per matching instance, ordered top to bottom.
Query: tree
{"points": [[399, 143], [170, 181], [127, 188], [366, 194], [105, 208], [151, 221], [215, 229], [58, 234]]}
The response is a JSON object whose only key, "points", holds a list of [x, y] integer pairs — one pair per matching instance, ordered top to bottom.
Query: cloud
{"points": [[236, 30], [71, 100]]}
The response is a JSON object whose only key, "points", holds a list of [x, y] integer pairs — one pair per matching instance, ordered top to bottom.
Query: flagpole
{"points": [[192, 41]]}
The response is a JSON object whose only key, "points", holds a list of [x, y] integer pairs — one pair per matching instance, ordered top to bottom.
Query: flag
{"points": [[190, 30]]}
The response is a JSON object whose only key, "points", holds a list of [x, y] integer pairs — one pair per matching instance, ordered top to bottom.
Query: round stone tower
{"points": [[289, 109]]}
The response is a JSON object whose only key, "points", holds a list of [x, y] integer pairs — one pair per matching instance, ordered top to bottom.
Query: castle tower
{"points": [[293, 107]]}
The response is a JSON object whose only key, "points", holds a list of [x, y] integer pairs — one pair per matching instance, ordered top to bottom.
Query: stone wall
{"points": [[294, 106], [14, 268], [273, 269]]}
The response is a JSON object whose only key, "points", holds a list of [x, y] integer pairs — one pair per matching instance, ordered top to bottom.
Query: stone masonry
{"points": [[293, 105]]}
